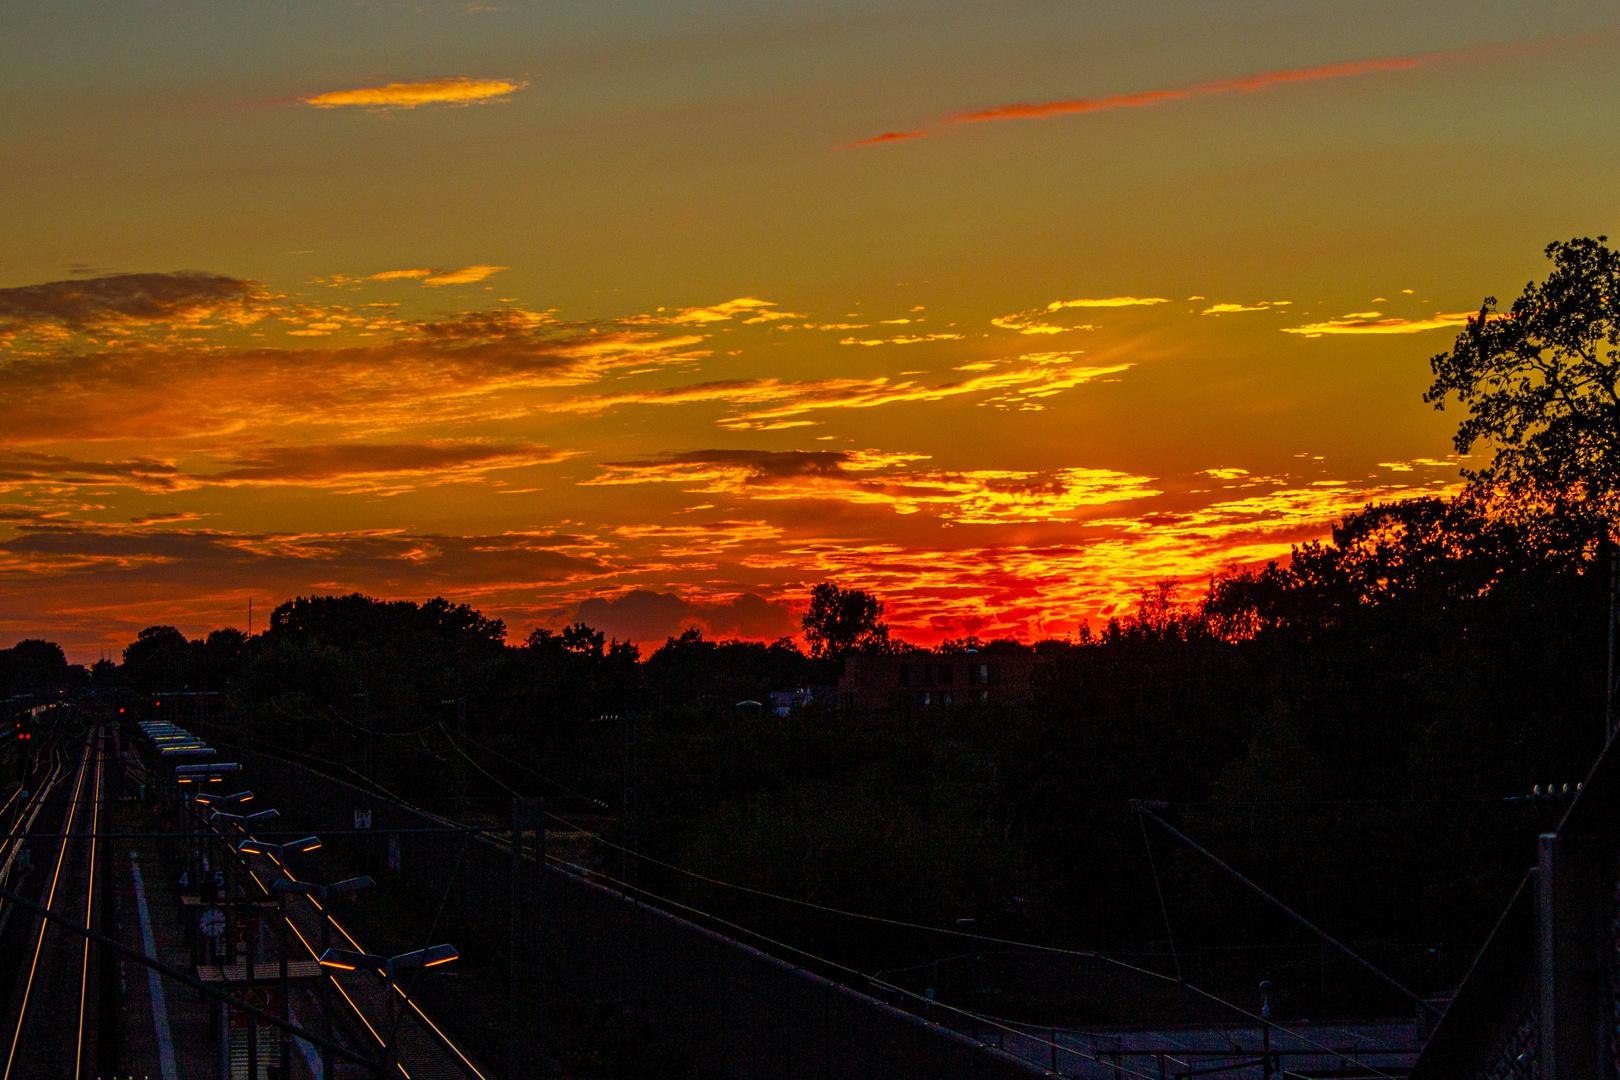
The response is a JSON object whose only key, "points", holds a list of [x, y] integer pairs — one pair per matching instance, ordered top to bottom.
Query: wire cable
{"points": [[1158, 888], [1030, 946], [1052, 949], [835, 965]]}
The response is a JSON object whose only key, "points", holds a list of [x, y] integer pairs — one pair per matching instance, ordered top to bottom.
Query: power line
{"points": [[1057, 950]]}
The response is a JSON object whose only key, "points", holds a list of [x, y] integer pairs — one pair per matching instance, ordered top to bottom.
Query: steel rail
{"points": [[50, 901], [89, 905], [354, 1006]]}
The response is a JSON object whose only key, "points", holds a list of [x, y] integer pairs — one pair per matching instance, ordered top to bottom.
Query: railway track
{"points": [[376, 1016], [50, 1024], [419, 1048]]}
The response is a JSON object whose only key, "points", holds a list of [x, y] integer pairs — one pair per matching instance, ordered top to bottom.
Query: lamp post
{"points": [[209, 798], [242, 819], [254, 846], [319, 895], [388, 967]]}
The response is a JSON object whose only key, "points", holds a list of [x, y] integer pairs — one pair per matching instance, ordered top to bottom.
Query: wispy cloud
{"points": [[400, 95], [1141, 99], [886, 137], [465, 276], [432, 279], [131, 299], [1107, 302], [1231, 309], [759, 311], [1035, 320], [1374, 322], [901, 339], [462, 368], [1019, 387], [350, 467], [376, 467], [26, 469], [887, 480]]}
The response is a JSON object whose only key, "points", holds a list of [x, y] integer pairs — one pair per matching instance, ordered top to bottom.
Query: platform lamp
{"points": [[320, 895], [388, 967]]}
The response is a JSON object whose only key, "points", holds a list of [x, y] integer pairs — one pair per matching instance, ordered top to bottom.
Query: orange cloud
{"points": [[1241, 84], [454, 91], [1141, 99], [886, 137], [465, 276], [117, 300], [1107, 302], [1229, 309], [721, 312], [1374, 322], [1025, 323], [901, 339], [463, 368], [1017, 387], [350, 467], [377, 467], [25, 469], [976, 497], [647, 616]]}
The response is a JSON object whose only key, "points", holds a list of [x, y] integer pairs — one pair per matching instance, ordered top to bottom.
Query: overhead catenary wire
{"points": [[519, 765], [1142, 809], [1159, 888], [880, 919], [1055, 950], [1101, 957], [833, 964], [989, 1020]]}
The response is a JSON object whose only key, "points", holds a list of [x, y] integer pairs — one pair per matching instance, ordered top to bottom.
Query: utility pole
{"points": [[1608, 689]]}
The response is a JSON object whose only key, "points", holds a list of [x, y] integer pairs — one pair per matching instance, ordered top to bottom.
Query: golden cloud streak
{"points": [[453, 91], [1108, 302], [1229, 309], [1374, 322], [1014, 388], [971, 497]]}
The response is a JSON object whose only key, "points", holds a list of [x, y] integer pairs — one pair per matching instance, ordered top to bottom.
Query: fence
{"points": [[711, 1005]]}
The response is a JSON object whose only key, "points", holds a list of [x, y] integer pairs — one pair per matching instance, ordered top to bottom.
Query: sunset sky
{"points": [[655, 315]]}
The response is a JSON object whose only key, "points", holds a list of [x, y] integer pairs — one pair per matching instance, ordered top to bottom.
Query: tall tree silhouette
{"points": [[1539, 383], [841, 621]]}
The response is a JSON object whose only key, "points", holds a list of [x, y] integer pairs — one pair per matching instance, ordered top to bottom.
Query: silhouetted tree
{"points": [[1541, 382], [841, 621], [221, 656], [160, 658], [32, 666]]}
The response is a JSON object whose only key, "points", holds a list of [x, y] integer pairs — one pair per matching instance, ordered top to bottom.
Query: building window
{"points": [[945, 671]]}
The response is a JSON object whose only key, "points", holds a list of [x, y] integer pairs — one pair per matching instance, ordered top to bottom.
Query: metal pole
{"points": [[1608, 694], [628, 807], [281, 991], [326, 994], [253, 1025], [514, 1046]]}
